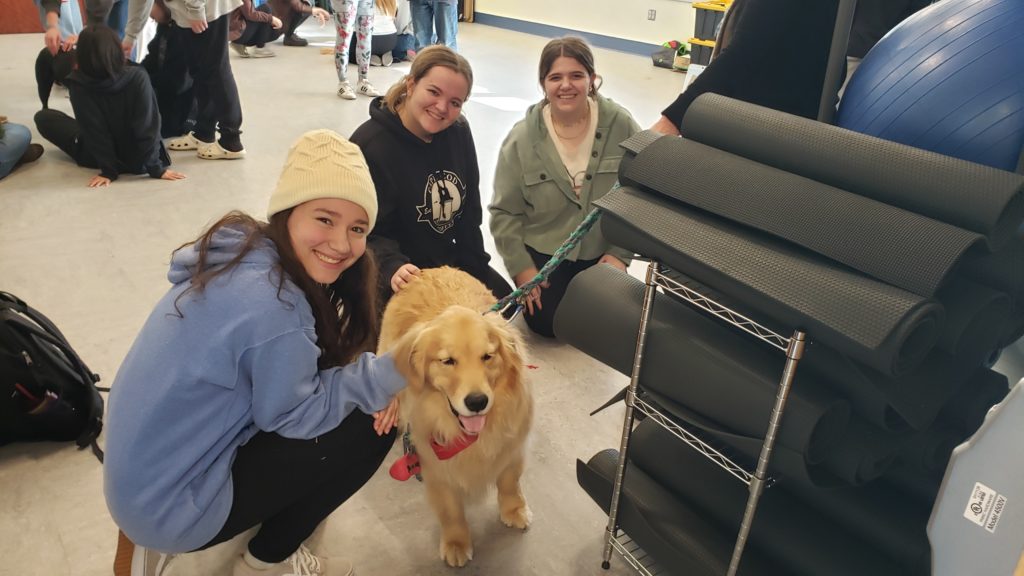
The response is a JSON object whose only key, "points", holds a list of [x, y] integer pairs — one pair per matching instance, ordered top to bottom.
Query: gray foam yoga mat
{"points": [[975, 197], [853, 230], [975, 316], [883, 326], [692, 360], [799, 538], [682, 541]]}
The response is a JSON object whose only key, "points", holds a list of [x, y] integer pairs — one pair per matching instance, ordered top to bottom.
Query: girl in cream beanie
{"points": [[251, 395]]}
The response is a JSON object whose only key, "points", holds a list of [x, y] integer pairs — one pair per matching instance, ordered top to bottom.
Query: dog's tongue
{"points": [[473, 424]]}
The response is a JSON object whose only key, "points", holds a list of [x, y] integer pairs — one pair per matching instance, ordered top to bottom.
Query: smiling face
{"points": [[566, 86], [434, 102], [328, 236]]}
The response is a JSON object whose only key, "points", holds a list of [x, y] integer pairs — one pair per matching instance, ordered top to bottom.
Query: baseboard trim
{"points": [[598, 40]]}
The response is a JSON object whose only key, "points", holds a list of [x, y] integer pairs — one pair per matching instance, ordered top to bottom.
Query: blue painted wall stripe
{"points": [[547, 31]]}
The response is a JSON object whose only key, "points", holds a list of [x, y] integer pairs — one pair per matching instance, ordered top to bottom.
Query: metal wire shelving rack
{"points": [[793, 347]]}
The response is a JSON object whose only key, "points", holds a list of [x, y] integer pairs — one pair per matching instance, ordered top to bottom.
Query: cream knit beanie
{"points": [[322, 164]]}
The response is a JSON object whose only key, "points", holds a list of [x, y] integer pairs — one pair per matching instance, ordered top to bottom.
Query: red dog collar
{"points": [[409, 464]]}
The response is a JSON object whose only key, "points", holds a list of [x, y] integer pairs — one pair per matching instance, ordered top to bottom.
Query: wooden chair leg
{"points": [[123, 556]]}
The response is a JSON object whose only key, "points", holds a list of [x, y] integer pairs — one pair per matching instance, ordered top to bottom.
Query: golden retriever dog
{"points": [[465, 374]]}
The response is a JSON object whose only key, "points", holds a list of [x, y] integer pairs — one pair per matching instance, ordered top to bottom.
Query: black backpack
{"points": [[46, 391]]}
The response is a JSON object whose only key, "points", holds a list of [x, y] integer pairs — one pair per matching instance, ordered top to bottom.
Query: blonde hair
{"points": [[387, 6], [425, 60]]}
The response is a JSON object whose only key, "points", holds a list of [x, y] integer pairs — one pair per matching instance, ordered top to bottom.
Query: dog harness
{"points": [[409, 464]]}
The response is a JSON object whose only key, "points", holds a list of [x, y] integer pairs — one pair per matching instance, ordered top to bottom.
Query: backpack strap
{"points": [[53, 335]]}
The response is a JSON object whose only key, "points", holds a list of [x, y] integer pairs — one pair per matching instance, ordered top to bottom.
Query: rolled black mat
{"points": [[975, 197], [854, 230], [975, 317], [883, 326], [728, 378], [916, 397], [968, 407], [928, 450], [864, 453], [913, 483], [878, 513], [669, 530], [794, 535]]}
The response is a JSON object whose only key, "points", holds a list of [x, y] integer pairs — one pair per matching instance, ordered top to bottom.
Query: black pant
{"points": [[259, 33], [381, 44], [218, 107], [63, 131], [541, 320], [291, 486]]}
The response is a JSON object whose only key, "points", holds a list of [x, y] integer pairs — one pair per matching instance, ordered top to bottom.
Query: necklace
{"points": [[583, 122]]}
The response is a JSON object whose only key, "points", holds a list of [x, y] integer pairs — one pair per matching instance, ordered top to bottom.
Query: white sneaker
{"points": [[242, 51], [262, 53], [387, 59], [375, 60], [366, 89], [345, 91], [146, 562], [301, 563]]}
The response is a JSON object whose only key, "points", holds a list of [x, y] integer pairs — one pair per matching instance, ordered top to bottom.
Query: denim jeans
{"points": [[435, 22], [12, 146]]}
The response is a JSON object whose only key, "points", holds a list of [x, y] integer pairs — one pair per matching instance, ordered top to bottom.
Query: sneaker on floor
{"points": [[295, 40], [242, 51], [259, 52], [387, 59], [375, 60], [366, 89], [345, 91], [214, 151], [146, 562], [301, 563]]}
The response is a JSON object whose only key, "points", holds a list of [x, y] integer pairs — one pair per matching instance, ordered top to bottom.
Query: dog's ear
{"points": [[510, 348], [410, 357]]}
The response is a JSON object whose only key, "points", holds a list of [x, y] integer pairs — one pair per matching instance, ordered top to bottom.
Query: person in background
{"points": [[292, 14], [353, 16], [61, 21], [435, 22], [202, 28], [253, 28], [385, 34], [757, 60], [167, 65], [116, 127], [16, 147], [423, 161], [551, 168], [251, 395]]}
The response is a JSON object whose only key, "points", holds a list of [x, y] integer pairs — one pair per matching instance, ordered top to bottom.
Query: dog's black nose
{"points": [[476, 402]]}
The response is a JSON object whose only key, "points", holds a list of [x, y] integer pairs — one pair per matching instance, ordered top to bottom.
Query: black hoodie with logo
{"points": [[119, 122], [428, 195]]}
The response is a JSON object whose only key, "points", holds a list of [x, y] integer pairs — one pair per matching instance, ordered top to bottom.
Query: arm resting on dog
{"points": [[294, 399]]}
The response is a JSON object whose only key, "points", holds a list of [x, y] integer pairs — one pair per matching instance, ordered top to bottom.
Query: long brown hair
{"points": [[425, 60], [345, 312]]}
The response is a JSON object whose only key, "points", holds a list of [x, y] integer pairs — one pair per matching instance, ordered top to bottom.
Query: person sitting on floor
{"points": [[292, 14], [251, 29], [116, 126], [16, 147]]}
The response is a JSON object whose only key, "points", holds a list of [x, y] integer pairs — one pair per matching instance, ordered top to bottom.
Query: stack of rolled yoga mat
{"points": [[904, 267]]}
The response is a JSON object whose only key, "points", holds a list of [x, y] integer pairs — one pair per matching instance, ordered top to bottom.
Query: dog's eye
{"points": [[488, 356], [448, 361]]}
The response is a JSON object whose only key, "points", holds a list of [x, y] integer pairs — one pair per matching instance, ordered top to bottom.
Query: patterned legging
{"points": [[349, 14]]}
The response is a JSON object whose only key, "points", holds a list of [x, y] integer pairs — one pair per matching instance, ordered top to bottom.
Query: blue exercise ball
{"points": [[948, 79]]}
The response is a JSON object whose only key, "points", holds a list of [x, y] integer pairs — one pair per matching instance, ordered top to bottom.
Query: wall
{"points": [[624, 19]]}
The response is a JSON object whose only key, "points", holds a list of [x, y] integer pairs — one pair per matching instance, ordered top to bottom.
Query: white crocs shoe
{"points": [[186, 142]]}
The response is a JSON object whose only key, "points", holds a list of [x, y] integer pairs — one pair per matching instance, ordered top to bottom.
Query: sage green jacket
{"points": [[534, 204]]}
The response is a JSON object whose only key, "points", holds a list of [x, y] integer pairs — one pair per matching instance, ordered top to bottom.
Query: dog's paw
{"points": [[517, 517], [456, 554]]}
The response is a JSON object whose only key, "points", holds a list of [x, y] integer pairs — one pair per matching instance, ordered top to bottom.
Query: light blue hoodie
{"points": [[193, 389]]}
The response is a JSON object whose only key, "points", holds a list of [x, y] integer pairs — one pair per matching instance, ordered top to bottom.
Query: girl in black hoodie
{"points": [[117, 125]]}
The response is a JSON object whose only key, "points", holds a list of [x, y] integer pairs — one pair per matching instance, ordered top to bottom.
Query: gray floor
{"points": [[94, 260]]}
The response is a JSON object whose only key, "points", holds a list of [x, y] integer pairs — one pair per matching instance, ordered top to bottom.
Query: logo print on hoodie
{"points": [[442, 200]]}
